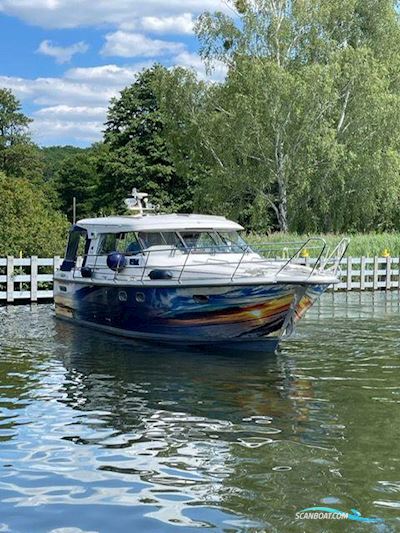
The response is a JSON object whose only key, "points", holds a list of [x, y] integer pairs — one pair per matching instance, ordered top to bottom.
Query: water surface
{"points": [[102, 434]]}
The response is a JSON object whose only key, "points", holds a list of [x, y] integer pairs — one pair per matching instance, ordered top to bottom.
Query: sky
{"points": [[65, 59]]}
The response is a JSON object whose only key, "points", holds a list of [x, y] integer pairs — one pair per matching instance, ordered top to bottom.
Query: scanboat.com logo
{"points": [[329, 513]]}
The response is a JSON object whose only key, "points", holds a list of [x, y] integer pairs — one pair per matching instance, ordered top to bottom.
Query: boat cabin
{"points": [[165, 240]]}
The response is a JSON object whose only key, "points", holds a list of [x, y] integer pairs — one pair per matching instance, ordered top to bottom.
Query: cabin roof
{"points": [[119, 224]]}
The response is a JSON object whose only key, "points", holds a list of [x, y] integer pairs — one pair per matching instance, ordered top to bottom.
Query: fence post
{"points": [[56, 263], [376, 267], [397, 267], [349, 272], [388, 273], [362, 274], [34, 278], [10, 279], [336, 286]]}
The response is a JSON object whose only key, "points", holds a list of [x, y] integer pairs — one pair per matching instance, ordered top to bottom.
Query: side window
{"points": [[170, 238], [148, 239], [108, 244], [131, 244]]}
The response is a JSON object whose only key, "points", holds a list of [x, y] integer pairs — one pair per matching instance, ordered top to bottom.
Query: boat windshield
{"points": [[206, 242], [213, 242]]}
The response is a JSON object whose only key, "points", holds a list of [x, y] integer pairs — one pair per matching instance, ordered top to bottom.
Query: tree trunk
{"points": [[280, 160], [282, 205]]}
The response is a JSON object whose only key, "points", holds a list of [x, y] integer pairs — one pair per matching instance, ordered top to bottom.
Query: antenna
{"points": [[138, 203]]}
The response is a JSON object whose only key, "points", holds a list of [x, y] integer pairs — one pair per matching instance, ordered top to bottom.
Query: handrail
{"points": [[304, 247], [340, 250], [255, 259], [240, 262], [184, 265]]}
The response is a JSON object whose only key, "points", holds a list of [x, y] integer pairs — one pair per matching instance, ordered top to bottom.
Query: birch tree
{"points": [[306, 125]]}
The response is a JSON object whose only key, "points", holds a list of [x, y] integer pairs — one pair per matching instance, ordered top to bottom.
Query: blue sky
{"points": [[64, 59]]}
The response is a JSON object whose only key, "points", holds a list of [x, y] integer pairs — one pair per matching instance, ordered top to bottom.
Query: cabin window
{"points": [[164, 238], [119, 242], [201, 242], [233, 242], [108, 243], [131, 245]]}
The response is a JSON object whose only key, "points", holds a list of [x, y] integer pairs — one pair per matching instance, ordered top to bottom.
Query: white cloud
{"points": [[74, 13], [176, 24], [124, 44], [62, 54], [106, 75], [56, 91], [72, 108], [71, 113], [54, 131]]}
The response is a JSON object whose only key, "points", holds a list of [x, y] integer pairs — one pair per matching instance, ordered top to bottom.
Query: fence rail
{"points": [[31, 278]]}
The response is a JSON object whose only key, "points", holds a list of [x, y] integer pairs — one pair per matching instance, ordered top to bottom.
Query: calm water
{"points": [[99, 434]]}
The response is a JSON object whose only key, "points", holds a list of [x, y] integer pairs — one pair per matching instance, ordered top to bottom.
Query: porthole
{"points": [[122, 296], [140, 297]]}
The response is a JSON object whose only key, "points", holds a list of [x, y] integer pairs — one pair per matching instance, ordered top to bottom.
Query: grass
{"points": [[368, 244]]}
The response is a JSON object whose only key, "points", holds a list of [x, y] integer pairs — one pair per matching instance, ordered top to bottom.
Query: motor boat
{"points": [[191, 279]]}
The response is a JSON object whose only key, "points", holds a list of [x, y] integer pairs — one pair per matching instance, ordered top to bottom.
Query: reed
{"points": [[361, 244]]}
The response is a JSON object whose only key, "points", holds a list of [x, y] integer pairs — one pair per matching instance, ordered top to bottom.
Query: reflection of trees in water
{"points": [[18, 367]]}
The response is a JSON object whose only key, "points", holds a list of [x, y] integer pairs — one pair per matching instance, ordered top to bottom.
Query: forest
{"points": [[302, 136]]}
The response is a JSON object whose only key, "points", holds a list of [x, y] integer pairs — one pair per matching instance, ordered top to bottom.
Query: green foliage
{"points": [[306, 125], [302, 136], [137, 152], [18, 155], [54, 156], [78, 176], [27, 224]]}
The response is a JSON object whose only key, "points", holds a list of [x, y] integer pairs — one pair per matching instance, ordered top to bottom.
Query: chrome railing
{"points": [[282, 255]]}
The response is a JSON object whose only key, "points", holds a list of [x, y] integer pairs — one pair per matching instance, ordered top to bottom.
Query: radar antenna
{"points": [[138, 203]]}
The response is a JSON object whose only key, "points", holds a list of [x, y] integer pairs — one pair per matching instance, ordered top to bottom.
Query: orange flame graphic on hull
{"points": [[262, 312]]}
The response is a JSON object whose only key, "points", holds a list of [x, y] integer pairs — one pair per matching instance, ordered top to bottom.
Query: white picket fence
{"points": [[28, 278], [31, 279]]}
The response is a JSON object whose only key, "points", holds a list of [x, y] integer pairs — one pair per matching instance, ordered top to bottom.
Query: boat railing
{"points": [[302, 251], [312, 253]]}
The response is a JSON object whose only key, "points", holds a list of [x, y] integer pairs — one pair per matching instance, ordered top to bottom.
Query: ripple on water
{"points": [[99, 434]]}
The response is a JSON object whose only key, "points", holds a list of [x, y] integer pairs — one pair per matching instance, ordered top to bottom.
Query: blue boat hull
{"points": [[191, 315]]}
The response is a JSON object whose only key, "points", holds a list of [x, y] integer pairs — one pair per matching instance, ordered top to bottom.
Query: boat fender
{"points": [[116, 261], [86, 272], [161, 274]]}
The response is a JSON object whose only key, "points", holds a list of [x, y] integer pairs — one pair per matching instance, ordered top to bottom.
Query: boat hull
{"points": [[190, 315]]}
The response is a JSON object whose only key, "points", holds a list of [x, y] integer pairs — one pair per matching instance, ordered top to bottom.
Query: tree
{"points": [[306, 125], [138, 154], [18, 155], [54, 156], [78, 176], [27, 223]]}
